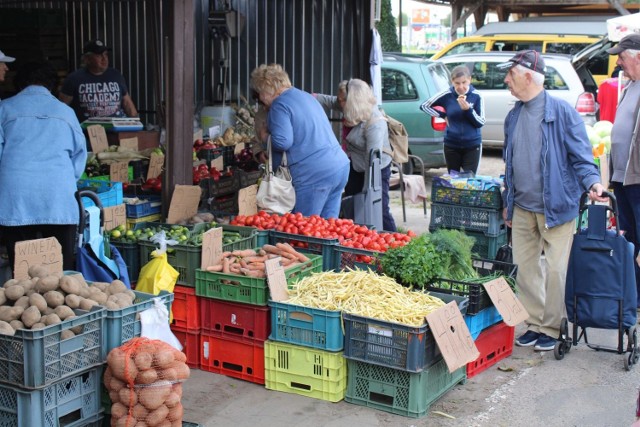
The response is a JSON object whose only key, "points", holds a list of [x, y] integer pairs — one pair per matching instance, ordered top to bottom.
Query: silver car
{"points": [[566, 78]]}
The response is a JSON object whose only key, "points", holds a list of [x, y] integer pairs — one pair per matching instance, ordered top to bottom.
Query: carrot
{"points": [[272, 249], [290, 249], [262, 252], [243, 253], [255, 258], [243, 263], [225, 265], [256, 265], [217, 267], [235, 268], [252, 273]]}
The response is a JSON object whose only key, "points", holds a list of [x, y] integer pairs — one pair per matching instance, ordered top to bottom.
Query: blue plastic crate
{"points": [[109, 193], [151, 205], [314, 245], [482, 320], [124, 324], [306, 326], [408, 348], [38, 358], [72, 402]]}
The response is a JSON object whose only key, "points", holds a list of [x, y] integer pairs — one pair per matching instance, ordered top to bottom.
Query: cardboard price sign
{"points": [[198, 135], [97, 138], [130, 143], [237, 149], [156, 162], [218, 163], [119, 171], [184, 203], [247, 204], [114, 216], [211, 248], [45, 252], [276, 279], [506, 302], [452, 336]]}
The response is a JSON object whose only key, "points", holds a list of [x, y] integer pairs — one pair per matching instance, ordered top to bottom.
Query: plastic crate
{"points": [[209, 154], [140, 168], [249, 178], [225, 185], [109, 193], [487, 199], [227, 204], [150, 205], [488, 221], [132, 223], [262, 237], [248, 240], [313, 245], [487, 246], [131, 255], [345, 257], [249, 290], [476, 293], [185, 308], [482, 320], [243, 322], [123, 324], [306, 326], [190, 340], [494, 344], [409, 348], [38, 358], [233, 358], [305, 371], [399, 392], [74, 401]]}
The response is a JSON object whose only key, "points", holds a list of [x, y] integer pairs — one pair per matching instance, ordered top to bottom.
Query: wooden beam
{"points": [[180, 98]]}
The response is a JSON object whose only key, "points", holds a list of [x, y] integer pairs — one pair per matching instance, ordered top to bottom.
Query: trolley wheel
{"points": [[564, 331], [560, 349]]}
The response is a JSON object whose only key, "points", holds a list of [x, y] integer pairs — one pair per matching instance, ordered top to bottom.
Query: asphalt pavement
{"points": [[587, 388]]}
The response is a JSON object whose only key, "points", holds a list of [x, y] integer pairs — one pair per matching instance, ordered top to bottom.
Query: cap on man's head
{"points": [[630, 41], [96, 46], [5, 58], [530, 59]]}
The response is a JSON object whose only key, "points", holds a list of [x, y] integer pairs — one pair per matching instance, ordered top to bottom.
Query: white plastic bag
{"points": [[155, 324]]}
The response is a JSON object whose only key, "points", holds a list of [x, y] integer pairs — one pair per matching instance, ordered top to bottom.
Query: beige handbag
{"points": [[276, 193]]}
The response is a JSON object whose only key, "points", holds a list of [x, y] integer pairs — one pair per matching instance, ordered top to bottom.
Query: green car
{"points": [[408, 81]]}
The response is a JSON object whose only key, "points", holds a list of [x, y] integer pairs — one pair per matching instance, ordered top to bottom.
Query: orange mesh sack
{"points": [[144, 378]]}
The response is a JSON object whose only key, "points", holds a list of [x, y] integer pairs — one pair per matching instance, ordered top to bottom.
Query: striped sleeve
{"points": [[427, 105]]}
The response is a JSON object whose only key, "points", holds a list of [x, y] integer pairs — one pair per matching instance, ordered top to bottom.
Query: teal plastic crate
{"points": [[109, 193], [488, 221], [262, 237], [314, 245], [345, 257], [482, 320], [123, 324], [306, 326], [409, 348], [38, 358], [397, 391], [71, 402]]}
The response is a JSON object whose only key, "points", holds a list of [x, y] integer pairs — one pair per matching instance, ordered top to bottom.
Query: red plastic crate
{"points": [[185, 308], [243, 322], [190, 341], [494, 344], [233, 358]]}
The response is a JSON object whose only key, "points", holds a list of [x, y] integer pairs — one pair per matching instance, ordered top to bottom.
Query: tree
{"points": [[405, 20], [387, 29]]}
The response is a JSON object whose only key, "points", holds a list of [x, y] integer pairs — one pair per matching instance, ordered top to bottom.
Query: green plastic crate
{"points": [[488, 199], [131, 255], [250, 290], [397, 391]]}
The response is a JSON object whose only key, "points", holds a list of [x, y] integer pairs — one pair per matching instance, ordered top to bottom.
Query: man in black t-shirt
{"points": [[97, 90]]}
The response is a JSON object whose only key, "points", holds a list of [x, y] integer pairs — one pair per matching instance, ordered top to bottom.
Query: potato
{"points": [[37, 271], [10, 283], [46, 284], [28, 285], [70, 285], [100, 285], [116, 287], [13, 293], [97, 295], [124, 297], [3, 298], [54, 298], [38, 301], [73, 301], [23, 302], [87, 304], [110, 305], [64, 312], [10, 313], [31, 316], [51, 319], [17, 324], [38, 326], [6, 329], [76, 329], [66, 334], [164, 357], [117, 360], [144, 360], [168, 374], [149, 376], [114, 396], [128, 396], [153, 397], [172, 400], [118, 410], [140, 412], [176, 413], [156, 416], [125, 421]]}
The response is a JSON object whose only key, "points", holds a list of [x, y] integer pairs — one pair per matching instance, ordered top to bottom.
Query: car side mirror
{"points": [[438, 124]]}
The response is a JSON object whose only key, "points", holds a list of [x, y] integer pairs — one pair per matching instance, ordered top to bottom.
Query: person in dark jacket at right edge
{"points": [[464, 111]]}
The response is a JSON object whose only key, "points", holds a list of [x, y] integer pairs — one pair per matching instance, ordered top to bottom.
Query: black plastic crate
{"points": [[209, 154], [249, 178]]}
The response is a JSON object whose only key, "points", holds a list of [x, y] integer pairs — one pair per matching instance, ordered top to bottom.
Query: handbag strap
{"points": [[284, 156]]}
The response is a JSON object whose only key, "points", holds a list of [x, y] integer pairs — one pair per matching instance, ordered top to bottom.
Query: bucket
{"points": [[211, 116]]}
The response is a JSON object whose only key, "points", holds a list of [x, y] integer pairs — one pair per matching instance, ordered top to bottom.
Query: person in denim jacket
{"points": [[364, 129], [549, 164]]}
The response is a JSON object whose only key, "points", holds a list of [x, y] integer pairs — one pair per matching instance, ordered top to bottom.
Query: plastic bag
{"points": [[158, 275], [155, 324]]}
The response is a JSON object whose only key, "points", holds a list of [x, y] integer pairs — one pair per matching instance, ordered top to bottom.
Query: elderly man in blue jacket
{"points": [[549, 164]]}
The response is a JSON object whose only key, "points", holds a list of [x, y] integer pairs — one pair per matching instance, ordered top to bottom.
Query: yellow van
{"points": [[510, 36]]}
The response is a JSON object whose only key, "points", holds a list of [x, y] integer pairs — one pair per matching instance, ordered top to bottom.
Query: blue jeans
{"points": [[628, 197], [322, 198], [388, 223]]}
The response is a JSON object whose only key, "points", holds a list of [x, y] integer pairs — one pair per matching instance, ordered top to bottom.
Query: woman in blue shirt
{"points": [[464, 112], [299, 127], [42, 155]]}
